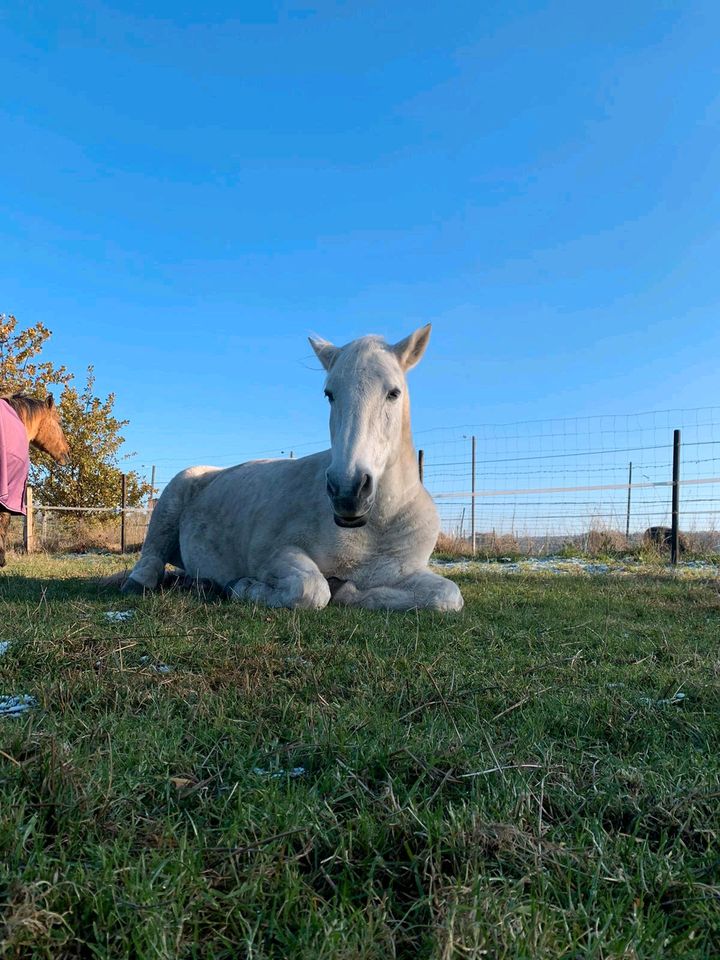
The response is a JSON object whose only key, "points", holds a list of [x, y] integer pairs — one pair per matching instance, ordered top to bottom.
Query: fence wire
{"points": [[550, 480]]}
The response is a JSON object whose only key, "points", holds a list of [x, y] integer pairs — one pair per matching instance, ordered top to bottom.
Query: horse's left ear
{"points": [[410, 350], [50, 402]]}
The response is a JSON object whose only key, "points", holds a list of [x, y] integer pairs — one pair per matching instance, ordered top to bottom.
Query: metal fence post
{"points": [[421, 465], [472, 491], [123, 504], [627, 522], [28, 524], [675, 532]]}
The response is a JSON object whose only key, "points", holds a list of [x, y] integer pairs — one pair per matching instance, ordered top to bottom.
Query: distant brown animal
{"points": [[43, 430], [661, 538]]}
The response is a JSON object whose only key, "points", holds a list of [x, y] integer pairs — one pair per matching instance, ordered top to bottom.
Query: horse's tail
{"points": [[170, 580], [115, 581]]}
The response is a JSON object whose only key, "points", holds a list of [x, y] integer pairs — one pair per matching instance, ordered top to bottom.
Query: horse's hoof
{"points": [[132, 588]]}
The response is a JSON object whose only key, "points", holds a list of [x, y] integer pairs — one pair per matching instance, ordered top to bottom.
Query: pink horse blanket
{"points": [[14, 460]]}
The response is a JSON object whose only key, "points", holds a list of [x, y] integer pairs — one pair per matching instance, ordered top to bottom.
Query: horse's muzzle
{"points": [[352, 498]]}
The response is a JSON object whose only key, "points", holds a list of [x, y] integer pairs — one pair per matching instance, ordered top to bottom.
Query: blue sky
{"points": [[187, 190]]}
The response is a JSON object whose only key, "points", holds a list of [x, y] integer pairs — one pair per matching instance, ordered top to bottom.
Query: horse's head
{"points": [[369, 409], [42, 422]]}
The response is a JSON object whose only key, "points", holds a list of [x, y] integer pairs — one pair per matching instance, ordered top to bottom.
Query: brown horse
{"points": [[42, 426]]}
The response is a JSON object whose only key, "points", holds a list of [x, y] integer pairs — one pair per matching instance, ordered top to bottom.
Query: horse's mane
{"points": [[27, 408]]}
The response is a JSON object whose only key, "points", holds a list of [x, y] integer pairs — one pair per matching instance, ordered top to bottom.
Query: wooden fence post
{"points": [[421, 464], [123, 503], [28, 524]]}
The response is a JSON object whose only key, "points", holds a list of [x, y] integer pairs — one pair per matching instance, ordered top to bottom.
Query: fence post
{"points": [[421, 465], [152, 483], [472, 489], [123, 503], [627, 522], [28, 524], [675, 532]]}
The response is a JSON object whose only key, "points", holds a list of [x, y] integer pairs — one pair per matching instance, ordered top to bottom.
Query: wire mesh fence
{"points": [[544, 482], [529, 487], [73, 530]]}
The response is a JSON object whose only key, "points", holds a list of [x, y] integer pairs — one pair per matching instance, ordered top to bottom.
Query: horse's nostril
{"points": [[366, 487], [331, 488]]}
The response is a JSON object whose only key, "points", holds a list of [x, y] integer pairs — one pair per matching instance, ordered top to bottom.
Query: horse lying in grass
{"points": [[23, 421], [352, 524]]}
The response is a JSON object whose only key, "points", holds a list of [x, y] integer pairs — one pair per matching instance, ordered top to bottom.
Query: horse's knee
{"points": [[313, 594], [447, 598], [452, 602]]}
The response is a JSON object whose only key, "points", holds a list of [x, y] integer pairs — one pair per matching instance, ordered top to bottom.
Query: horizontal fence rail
{"points": [[539, 490]]}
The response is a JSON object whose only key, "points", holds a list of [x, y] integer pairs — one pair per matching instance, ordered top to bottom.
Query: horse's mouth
{"points": [[351, 522]]}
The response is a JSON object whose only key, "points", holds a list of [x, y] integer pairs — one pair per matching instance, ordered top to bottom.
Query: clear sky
{"points": [[188, 189]]}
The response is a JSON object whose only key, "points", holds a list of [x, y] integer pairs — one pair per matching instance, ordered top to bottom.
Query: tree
{"points": [[20, 372], [92, 475], [91, 478]]}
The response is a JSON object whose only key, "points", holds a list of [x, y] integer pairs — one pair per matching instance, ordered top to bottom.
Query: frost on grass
{"points": [[576, 565], [146, 661], [664, 701], [17, 705], [293, 774]]}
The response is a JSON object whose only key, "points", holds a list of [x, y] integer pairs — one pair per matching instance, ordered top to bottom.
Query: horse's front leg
{"points": [[4, 525], [291, 579], [418, 591]]}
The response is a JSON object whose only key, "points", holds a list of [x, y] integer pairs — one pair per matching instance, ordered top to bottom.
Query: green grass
{"points": [[488, 785]]}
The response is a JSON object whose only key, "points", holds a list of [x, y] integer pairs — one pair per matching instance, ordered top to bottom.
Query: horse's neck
{"points": [[31, 428]]}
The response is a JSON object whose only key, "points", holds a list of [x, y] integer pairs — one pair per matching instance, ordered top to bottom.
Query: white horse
{"points": [[352, 524]]}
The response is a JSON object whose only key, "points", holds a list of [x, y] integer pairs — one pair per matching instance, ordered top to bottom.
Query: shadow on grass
{"points": [[21, 587]]}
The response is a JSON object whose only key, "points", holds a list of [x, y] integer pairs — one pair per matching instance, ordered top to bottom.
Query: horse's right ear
{"points": [[325, 351], [50, 402]]}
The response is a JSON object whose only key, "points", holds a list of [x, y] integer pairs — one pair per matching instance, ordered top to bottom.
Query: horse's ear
{"points": [[324, 350], [410, 350], [50, 402]]}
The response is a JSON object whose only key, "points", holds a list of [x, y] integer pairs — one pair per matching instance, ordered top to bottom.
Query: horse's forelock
{"points": [[365, 348]]}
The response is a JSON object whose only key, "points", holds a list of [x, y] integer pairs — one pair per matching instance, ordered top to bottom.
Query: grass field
{"points": [[210, 780]]}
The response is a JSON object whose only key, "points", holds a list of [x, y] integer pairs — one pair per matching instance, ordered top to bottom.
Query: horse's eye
{"points": [[394, 393], [329, 395]]}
